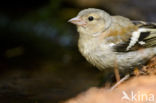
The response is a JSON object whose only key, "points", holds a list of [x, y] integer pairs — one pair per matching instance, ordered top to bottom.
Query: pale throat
{"points": [[85, 31]]}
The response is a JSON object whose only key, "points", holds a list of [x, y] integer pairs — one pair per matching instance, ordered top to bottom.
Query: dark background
{"points": [[39, 58]]}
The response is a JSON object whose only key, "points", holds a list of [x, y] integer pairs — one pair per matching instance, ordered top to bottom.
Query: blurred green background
{"points": [[39, 58]]}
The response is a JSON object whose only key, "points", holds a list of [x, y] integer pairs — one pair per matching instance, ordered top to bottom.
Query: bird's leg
{"points": [[116, 72], [136, 72], [117, 76], [119, 82]]}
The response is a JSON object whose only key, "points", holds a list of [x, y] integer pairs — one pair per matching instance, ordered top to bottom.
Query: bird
{"points": [[108, 41]]}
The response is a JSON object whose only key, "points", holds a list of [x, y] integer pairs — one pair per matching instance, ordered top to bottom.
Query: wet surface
{"points": [[43, 84]]}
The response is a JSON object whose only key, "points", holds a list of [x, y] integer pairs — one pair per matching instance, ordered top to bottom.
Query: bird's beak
{"points": [[77, 20]]}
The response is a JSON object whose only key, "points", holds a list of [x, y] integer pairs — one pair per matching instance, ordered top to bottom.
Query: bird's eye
{"points": [[90, 18]]}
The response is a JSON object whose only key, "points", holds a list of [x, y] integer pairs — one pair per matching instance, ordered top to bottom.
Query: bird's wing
{"points": [[143, 37]]}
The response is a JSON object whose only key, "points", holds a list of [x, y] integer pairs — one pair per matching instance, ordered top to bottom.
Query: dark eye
{"points": [[90, 18]]}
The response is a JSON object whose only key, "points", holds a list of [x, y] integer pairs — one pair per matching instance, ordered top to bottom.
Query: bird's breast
{"points": [[96, 53]]}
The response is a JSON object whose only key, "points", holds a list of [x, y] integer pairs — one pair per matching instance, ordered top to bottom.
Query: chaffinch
{"points": [[106, 41]]}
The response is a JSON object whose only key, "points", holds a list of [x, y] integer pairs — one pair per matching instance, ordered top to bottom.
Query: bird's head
{"points": [[91, 21]]}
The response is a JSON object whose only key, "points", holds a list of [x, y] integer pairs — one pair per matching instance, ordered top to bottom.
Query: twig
{"points": [[119, 82]]}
